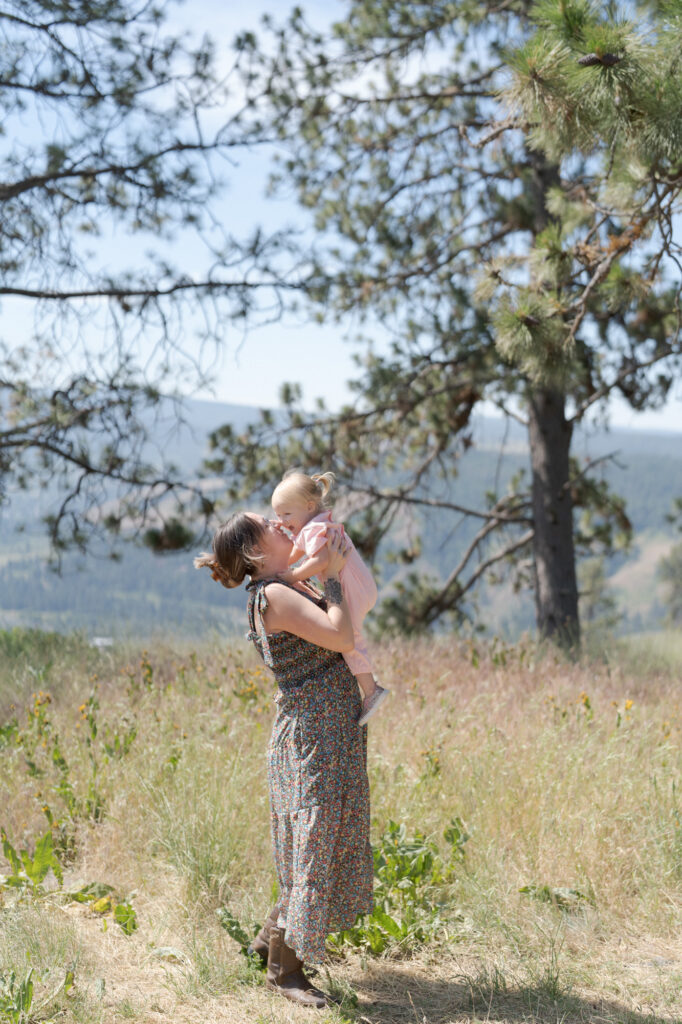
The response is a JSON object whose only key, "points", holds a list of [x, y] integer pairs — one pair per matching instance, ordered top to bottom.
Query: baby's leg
{"points": [[360, 600], [358, 660], [360, 665], [366, 682], [373, 695]]}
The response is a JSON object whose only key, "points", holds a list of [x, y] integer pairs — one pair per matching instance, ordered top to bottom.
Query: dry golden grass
{"points": [[567, 776]]}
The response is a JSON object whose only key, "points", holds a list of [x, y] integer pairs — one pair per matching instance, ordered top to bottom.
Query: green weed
{"points": [[8, 733], [30, 871], [409, 876], [564, 898], [125, 917], [235, 930], [16, 998]]}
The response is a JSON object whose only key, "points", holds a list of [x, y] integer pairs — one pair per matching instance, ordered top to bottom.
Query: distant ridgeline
{"points": [[143, 593]]}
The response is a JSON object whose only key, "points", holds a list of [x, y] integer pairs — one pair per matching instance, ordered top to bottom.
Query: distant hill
{"points": [[142, 593]]}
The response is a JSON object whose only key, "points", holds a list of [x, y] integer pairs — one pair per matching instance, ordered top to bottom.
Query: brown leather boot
{"points": [[260, 945], [285, 974]]}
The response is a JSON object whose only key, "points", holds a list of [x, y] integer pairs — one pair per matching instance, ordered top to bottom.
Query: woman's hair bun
{"points": [[204, 560], [218, 573]]}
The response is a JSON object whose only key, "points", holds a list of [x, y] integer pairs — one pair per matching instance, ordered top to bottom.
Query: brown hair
{"points": [[311, 488], [234, 544]]}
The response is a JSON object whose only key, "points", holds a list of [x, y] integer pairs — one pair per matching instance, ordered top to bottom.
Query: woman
{"points": [[319, 792]]}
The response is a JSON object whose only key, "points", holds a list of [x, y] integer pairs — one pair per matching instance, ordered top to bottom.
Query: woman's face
{"points": [[274, 547]]}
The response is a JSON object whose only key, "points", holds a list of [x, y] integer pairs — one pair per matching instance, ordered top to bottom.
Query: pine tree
{"points": [[495, 184]]}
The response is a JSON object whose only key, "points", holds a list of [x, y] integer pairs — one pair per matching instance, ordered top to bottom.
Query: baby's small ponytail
{"points": [[324, 483]]}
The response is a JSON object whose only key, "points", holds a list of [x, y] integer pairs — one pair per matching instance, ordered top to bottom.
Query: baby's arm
{"points": [[295, 554], [312, 566]]}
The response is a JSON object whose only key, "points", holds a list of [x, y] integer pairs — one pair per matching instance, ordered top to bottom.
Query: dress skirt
{"points": [[319, 801]]}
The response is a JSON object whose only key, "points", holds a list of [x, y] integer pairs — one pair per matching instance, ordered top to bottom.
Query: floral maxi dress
{"points": [[319, 791]]}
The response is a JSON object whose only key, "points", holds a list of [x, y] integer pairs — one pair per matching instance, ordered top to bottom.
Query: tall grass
{"points": [[567, 776]]}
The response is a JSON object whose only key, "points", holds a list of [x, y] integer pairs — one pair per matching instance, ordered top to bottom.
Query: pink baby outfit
{"points": [[357, 584]]}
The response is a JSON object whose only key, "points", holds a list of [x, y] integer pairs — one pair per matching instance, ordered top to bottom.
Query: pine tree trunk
{"points": [[556, 590]]}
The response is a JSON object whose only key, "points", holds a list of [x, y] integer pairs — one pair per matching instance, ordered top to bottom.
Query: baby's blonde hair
{"points": [[296, 483]]}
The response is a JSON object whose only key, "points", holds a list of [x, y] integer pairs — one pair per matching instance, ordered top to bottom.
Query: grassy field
{"points": [[538, 876]]}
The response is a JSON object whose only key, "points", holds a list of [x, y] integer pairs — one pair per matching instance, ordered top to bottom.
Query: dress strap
{"points": [[258, 605]]}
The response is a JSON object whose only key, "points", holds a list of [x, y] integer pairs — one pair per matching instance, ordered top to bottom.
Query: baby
{"points": [[301, 505]]}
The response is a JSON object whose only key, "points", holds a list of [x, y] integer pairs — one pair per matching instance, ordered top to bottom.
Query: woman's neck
{"points": [[271, 569]]}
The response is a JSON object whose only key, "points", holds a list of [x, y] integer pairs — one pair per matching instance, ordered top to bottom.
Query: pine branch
{"points": [[461, 88], [133, 292], [628, 371], [495, 516], [434, 608]]}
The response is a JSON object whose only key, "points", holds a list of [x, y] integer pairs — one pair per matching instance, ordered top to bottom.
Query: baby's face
{"points": [[293, 513]]}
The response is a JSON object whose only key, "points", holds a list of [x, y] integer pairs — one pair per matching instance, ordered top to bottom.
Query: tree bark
{"points": [[556, 589]]}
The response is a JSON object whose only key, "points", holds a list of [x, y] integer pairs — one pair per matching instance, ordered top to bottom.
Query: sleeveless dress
{"points": [[319, 791]]}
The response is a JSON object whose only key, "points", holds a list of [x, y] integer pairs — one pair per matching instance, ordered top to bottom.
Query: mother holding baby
{"points": [[319, 791]]}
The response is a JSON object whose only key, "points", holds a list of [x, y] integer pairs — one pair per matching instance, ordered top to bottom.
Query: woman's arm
{"points": [[291, 612]]}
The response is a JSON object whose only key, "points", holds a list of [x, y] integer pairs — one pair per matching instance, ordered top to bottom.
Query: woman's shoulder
{"points": [[265, 588], [272, 588], [276, 589], [262, 593]]}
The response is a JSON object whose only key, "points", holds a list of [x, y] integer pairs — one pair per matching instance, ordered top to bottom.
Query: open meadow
{"points": [[526, 817]]}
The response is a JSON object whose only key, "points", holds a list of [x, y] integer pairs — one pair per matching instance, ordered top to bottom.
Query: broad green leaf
{"points": [[11, 854], [43, 859], [91, 892], [125, 916], [388, 923], [26, 992]]}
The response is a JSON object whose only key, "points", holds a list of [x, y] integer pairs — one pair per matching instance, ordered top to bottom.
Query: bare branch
{"points": [[495, 516], [440, 603]]}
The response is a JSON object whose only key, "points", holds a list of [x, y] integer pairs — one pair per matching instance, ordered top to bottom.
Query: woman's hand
{"points": [[338, 547]]}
